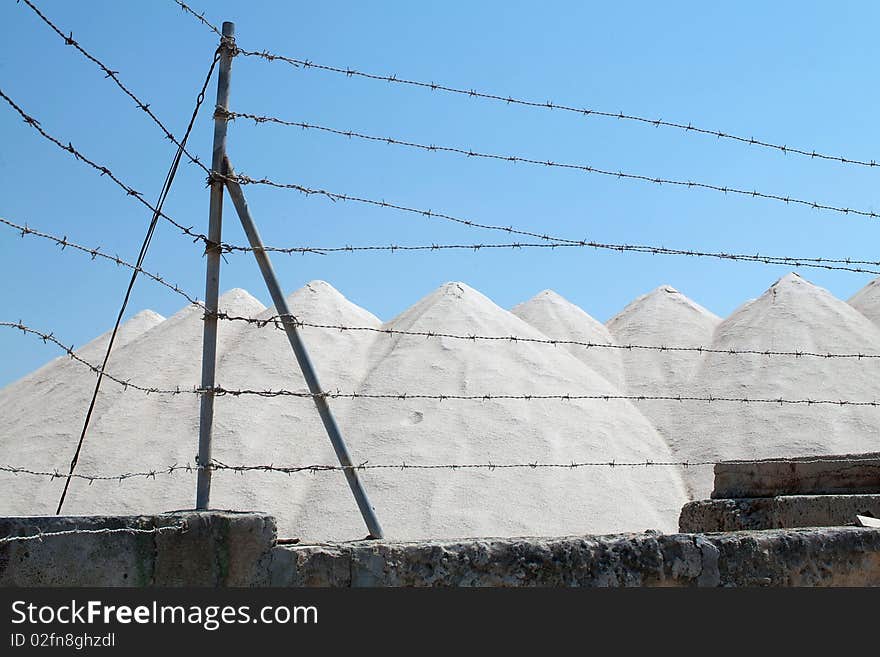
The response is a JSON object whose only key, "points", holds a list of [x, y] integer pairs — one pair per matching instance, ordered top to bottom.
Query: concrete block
{"points": [[848, 474], [727, 515], [217, 548], [238, 549], [830, 556], [793, 557]]}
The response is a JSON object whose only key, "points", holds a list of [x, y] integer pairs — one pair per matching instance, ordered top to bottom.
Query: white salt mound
{"points": [[867, 301], [792, 315], [663, 317], [667, 318], [559, 319], [41, 415], [130, 430], [288, 430], [422, 503]]}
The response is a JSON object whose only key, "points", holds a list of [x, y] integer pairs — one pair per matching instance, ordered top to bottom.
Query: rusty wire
{"points": [[199, 17], [349, 72], [114, 75], [103, 170], [689, 184], [510, 230], [552, 241], [96, 252], [787, 261], [277, 322], [70, 351], [220, 391], [406, 396], [489, 466], [90, 478], [40, 535]]}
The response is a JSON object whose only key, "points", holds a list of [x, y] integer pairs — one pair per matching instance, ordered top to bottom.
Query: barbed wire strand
{"points": [[199, 17], [348, 72], [114, 75], [549, 105], [103, 170], [688, 184], [431, 214], [148, 238], [96, 252], [786, 261], [793, 261], [276, 322], [71, 352], [220, 391], [404, 396], [366, 465], [91, 478], [41, 535]]}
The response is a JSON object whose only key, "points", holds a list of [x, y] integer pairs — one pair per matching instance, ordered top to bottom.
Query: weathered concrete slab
{"points": [[848, 474], [727, 515], [192, 549], [239, 549], [840, 556]]}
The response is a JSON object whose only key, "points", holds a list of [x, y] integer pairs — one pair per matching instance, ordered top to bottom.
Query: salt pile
{"points": [[867, 301], [793, 315], [663, 317], [666, 318], [560, 319], [41, 412], [41, 415], [287, 430], [138, 432], [502, 502]]}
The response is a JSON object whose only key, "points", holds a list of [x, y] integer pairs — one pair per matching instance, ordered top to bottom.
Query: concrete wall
{"points": [[776, 512], [216, 549], [238, 549]]}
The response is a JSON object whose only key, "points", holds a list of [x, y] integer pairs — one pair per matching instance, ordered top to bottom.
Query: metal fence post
{"points": [[212, 276], [302, 356]]}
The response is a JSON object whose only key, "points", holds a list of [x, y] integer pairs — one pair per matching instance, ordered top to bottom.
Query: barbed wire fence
{"points": [[221, 176], [40, 535]]}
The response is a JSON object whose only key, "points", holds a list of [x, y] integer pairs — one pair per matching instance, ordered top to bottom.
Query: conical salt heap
{"points": [[867, 301], [793, 315], [662, 318], [559, 319], [42, 416], [130, 431], [287, 431], [479, 502]]}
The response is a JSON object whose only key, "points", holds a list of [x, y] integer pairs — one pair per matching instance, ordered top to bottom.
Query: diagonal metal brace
{"points": [[299, 350]]}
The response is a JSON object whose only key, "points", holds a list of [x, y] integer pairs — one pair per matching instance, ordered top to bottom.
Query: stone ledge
{"points": [[849, 474], [728, 515], [217, 549], [238, 549], [840, 556]]}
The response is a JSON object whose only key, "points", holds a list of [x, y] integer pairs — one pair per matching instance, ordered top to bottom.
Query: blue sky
{"points": [[798, 73]]}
